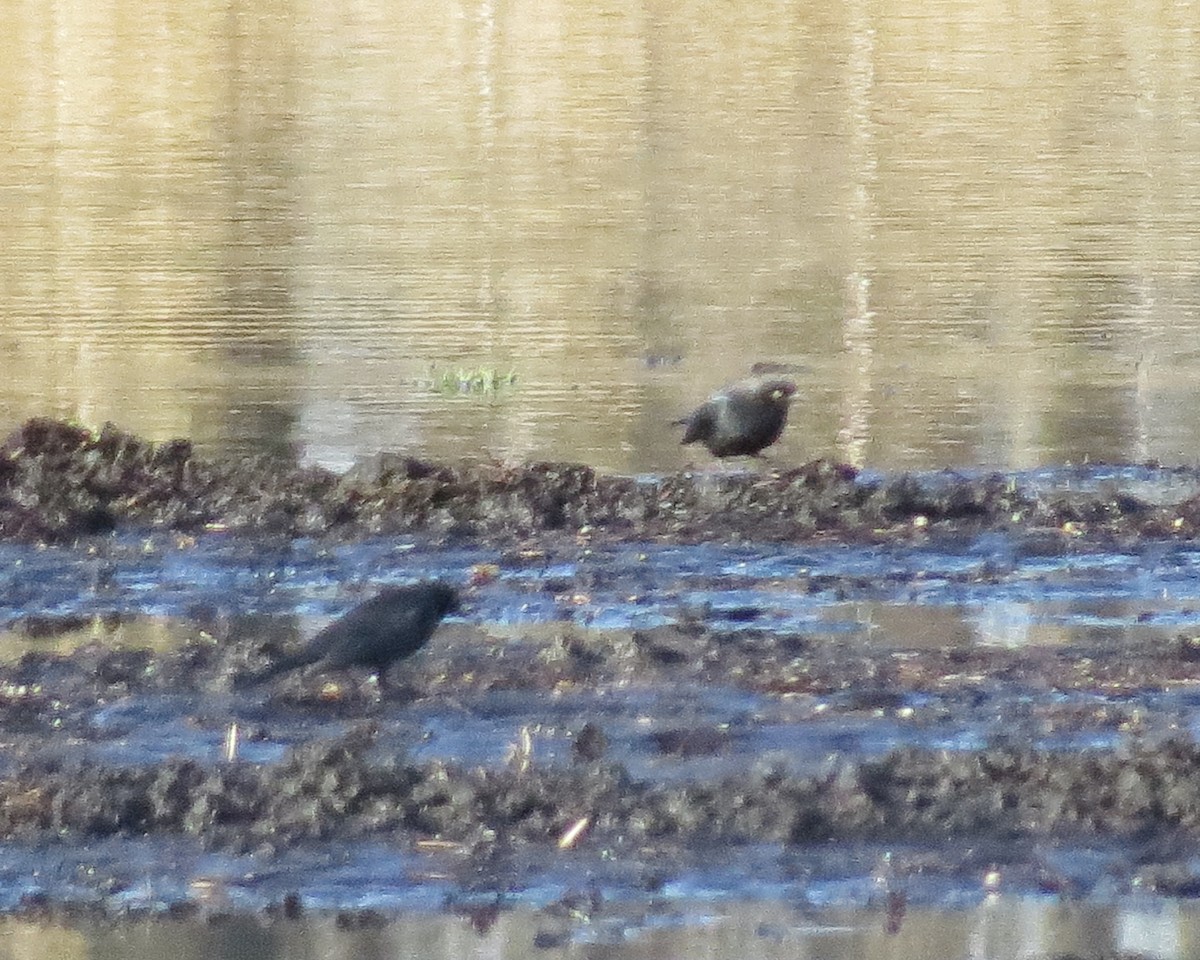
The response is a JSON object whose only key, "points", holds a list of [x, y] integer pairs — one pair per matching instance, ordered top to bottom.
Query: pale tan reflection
{"points": [[490, 234], [1023, 243], [129, 249], [858, 337], [915, 626], [919, 626], [62, 636], [999, 927], [26, 940]]}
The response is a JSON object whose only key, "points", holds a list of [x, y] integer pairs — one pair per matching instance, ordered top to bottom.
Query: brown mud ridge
{"points": [[59, 482]]}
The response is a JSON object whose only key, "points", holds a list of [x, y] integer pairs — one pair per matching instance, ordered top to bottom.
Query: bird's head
{"points": [[777, 391], [448, 600]]}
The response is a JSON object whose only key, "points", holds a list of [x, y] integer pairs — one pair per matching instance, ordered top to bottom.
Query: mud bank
{"points": [[59, 482], [744, 714], [350, 776], [361, 783], [332, 790]]}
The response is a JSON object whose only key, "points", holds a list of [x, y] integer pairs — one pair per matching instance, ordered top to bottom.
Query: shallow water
{"points": [[974, 227], [992, 588], [863, 924]]}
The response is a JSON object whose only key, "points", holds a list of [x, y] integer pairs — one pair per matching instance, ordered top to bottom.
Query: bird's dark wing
{"points": [[376, 633], [346, 641]]}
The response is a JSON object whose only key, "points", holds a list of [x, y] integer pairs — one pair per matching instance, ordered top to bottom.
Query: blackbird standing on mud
{"points": [[742, 419], [390, 626]]}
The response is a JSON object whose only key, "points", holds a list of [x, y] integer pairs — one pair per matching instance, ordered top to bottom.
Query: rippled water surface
{"points": [[975, 228], [802, 922], [1002, 928]]}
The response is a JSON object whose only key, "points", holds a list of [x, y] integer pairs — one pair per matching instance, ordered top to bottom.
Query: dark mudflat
{"points": [[649, 677]]}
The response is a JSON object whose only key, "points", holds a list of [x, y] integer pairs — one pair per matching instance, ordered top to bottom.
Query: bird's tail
{"points": [[271, 670]]}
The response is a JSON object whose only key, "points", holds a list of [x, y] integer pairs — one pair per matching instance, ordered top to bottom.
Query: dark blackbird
{"points": [[742, 419], [390, 626]]}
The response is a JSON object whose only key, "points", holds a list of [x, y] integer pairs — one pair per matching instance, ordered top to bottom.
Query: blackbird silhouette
{"points": [[742, 419], [392, 625]]}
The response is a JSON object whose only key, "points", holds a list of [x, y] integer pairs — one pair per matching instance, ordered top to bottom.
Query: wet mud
{"points": [[59, 482], [647, 672]]}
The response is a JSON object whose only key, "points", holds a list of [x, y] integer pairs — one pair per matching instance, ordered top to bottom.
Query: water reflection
{"points": [[975, 227], [928, 596], [999, 928]]}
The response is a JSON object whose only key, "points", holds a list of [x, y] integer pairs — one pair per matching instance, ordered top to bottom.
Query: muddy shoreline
{"points": [[60, 482], [347, 776], [361, 784]]}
